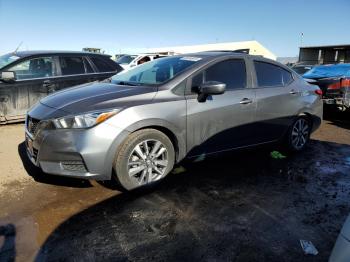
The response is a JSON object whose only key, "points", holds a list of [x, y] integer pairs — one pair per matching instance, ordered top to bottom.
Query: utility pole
{"points": [[301, 38]]}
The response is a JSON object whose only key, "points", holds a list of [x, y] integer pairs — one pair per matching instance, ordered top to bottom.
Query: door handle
{"points": [[47, 83], [293, 92], [246, 101]]}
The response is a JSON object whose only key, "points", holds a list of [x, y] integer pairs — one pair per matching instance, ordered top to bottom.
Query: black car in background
{"points": [[301, 69], [28, 76]]}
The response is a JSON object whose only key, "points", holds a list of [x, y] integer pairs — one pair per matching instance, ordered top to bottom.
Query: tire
{"points": [[297, 139], [145, 158]]}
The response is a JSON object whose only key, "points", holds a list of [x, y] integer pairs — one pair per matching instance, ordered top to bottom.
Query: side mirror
{"points": [[8, 76], [210, 88]]}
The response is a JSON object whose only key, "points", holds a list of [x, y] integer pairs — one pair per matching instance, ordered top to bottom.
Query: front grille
{"points": [[32, 124]]}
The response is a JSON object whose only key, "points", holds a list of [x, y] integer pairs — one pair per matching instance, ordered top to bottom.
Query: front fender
{"points": [[179, 135]]}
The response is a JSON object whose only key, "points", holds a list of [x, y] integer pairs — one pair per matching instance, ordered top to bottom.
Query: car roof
{"points": [[54, 52], [213, 54]]}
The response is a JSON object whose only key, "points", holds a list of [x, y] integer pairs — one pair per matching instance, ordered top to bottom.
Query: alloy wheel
{"points": [[300, 133], [148, 161]]}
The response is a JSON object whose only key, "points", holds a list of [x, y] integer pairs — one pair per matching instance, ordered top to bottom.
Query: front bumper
{"points": [[79, 153]]}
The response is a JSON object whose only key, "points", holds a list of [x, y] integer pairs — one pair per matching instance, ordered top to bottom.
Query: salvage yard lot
{"points": [[238, 207]]}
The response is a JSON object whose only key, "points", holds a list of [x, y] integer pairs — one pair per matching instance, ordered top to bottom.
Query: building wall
{"points": [[324, 54]]}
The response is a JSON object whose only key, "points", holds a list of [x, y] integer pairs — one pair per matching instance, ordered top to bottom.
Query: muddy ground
{"points": [[238, 207]]}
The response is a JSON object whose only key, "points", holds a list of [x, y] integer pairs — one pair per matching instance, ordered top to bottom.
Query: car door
{"points": [[73, 70], [34, 77], [278, 100], [222, 122]]}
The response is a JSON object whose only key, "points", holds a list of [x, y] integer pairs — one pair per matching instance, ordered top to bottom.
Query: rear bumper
{"points": [[339, 98], [339, 101], [80, 153]]}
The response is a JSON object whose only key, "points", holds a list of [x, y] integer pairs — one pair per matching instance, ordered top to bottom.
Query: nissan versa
{"points": [[139, 124]]}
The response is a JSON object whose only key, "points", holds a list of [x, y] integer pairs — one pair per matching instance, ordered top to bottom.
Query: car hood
{"points": [[98, 96]]}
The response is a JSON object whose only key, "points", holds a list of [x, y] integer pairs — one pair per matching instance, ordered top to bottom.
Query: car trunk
{"points": [[325, 85]]}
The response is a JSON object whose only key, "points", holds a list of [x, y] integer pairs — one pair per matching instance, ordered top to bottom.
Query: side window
{"points": [[72, 65], [102, 65], [88, 66], [33, 68], [231, 72], [269, 75], [286, 77]]}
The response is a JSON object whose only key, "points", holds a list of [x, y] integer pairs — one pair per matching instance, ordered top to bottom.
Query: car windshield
{"points": [[7, 59], [126, 59], [155, 72]]}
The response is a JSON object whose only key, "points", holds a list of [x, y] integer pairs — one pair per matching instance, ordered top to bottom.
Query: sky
{"points": [[133, 26]]}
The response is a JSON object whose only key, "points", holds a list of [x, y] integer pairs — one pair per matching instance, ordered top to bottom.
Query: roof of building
{"points": [[327, 46]]}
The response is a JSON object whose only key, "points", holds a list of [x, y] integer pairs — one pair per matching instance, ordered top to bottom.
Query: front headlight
{"points": [[84, 120]]}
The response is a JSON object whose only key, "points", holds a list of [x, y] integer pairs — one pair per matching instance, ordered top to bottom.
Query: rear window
{"points": [[126, 59], [72, 65], [102, 65], [88, 66], [269, 75]]}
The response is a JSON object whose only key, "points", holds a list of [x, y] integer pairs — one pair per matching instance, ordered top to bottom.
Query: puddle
{"points": [[35, 217]]}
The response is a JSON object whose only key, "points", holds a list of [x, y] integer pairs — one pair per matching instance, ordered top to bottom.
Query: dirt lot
{"points": [[238, 207]]}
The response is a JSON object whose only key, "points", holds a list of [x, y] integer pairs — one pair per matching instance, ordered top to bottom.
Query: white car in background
{"points": [[129, 61]]}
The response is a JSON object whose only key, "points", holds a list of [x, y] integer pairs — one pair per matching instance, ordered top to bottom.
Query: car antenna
{"points": [[18, 47]]}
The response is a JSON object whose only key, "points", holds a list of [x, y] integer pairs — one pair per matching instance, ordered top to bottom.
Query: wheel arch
{"points": [[308, 116], [314, 118], [176, 136]]}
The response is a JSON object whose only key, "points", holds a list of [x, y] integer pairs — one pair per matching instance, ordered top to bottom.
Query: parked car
{"points": [[117, 56], [129, 61], [301, 69], [28, 76], [334, 80], [155, 115], [341, 250]]}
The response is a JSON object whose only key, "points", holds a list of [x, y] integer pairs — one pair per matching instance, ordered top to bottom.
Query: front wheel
{"points": [[299, 134], [146, 157]]}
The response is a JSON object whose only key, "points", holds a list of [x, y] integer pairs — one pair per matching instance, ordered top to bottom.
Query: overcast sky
{"points": [[130, 26]]}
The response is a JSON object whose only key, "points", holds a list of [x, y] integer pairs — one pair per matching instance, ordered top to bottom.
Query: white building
{"points": [[251, 47]]}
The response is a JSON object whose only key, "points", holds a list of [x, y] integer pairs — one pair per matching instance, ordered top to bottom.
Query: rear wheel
{"points": [[299, 134], [146, 157]]}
